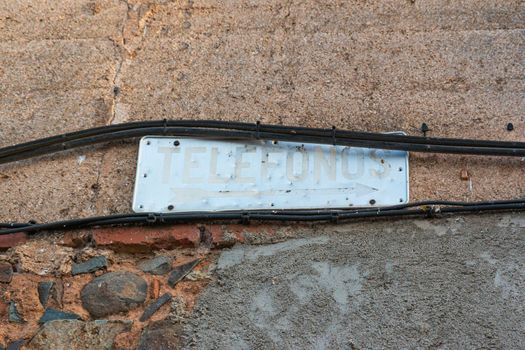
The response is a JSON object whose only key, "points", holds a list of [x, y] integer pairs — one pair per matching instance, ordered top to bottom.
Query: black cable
{"points": [[256, 127], [249, 131], [254, 131], [252, 135], [308, 137], [58, 139], [421, 208], [160, 216]]}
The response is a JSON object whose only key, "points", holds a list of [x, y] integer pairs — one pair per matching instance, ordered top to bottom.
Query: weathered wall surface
{"points": [[376, 66], [381, 66], [427, 284]]}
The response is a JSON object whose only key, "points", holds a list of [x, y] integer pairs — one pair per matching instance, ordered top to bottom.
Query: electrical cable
{"points": [[251, 131], [258, 131], [245, 135], [427, 208], [295, 211]]}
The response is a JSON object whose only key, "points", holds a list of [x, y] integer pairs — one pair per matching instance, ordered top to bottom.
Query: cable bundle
{"points": [[257, 131], [426, 208]]}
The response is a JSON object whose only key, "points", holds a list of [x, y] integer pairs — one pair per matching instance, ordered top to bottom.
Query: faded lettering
{"points": [[168, 155], [191, 163], [327, 163], [240, 164], [249, 164], [267, 164], [358, 168], [385, 168], [291, 173], [214, 176]]}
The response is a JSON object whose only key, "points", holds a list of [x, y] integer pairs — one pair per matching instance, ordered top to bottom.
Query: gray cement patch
{"points": [[239, 254], [443, 283]]}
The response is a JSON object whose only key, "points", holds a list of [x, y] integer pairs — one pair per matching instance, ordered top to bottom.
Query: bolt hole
{"points": [[148, 142], [275, 142], [176, 143], [400, 169], [145, 175], [400, 200], [372, 202], [272, 204], [141, 206], [170, 207]]}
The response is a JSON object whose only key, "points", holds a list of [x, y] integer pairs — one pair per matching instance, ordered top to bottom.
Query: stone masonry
{"points": [[387, 65]]}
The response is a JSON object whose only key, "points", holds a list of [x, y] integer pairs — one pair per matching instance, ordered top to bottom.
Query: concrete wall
{"points": [[453, 283]]}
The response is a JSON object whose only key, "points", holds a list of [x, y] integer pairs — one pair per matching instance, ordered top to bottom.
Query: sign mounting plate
{"points": [[180, 174]]}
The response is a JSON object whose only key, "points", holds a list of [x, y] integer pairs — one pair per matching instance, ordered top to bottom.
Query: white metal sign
{"points": [[186, 174]]}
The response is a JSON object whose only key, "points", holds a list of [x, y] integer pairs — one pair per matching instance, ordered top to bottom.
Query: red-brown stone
{"points": [[222, 237], [147, 238], [75, 239], [11, 240], [155, 288], [3, 311]]}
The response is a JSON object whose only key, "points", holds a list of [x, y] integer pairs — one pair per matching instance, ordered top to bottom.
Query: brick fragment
{"points": [[224, 236], [221, 237], [75, 239], [141, 239], [11, 240], [155, 288], [3, 311]]}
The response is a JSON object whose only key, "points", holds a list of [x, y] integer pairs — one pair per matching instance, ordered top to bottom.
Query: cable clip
{"points": [[165, 126], [258, 130], [334, 140], [432, 211], [334, 217], [151, 219], [245, 219]]}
